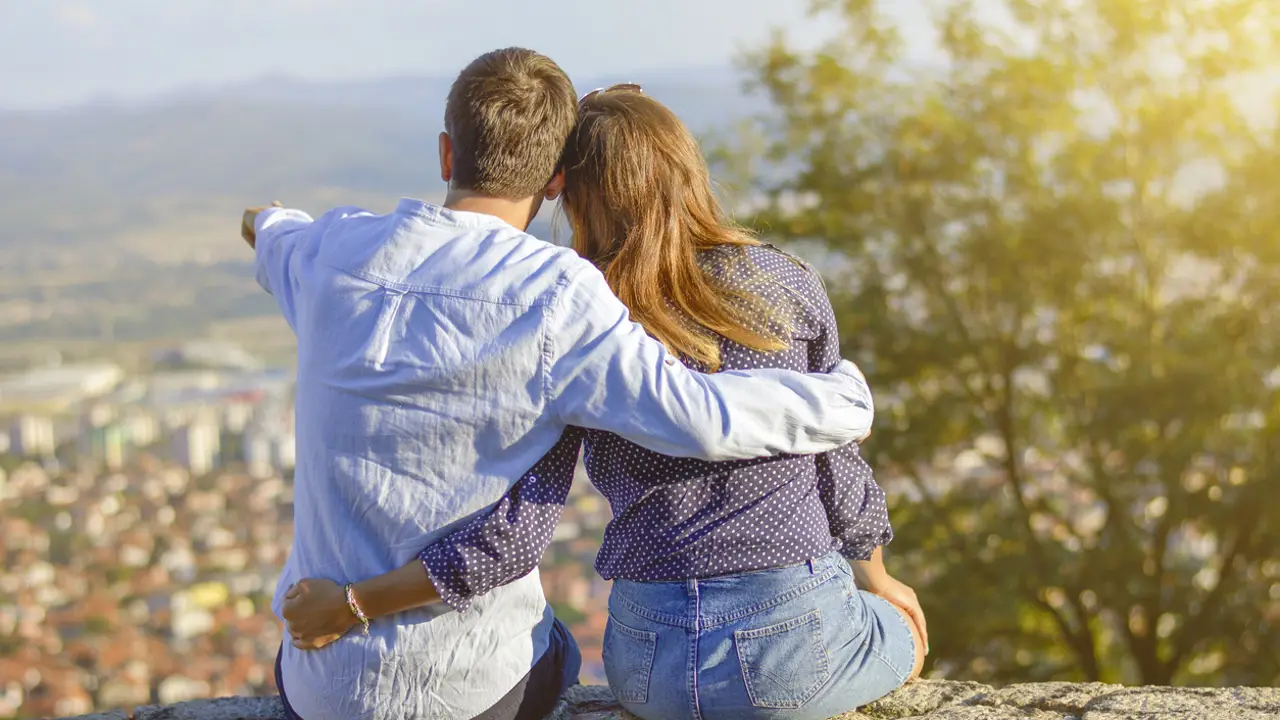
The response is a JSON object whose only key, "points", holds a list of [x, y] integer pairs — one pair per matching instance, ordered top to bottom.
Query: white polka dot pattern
{"points": [[679, 518]]}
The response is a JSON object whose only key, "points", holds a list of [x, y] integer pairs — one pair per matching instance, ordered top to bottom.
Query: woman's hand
{"points": [[871, 576], [901, 594], [316, 613]]}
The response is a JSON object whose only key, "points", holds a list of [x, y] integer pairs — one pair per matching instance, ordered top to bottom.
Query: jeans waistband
{"points": [[723, 599]]}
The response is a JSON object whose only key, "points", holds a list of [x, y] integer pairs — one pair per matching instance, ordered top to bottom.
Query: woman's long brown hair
{"points": [[638, 198]]}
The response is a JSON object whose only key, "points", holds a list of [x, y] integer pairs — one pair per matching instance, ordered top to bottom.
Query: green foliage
{"points": [[1063, 276], [9, 462], [36, 511], [63, 547], [118, 575], [261, 601], [568, 614], [9, 645]]}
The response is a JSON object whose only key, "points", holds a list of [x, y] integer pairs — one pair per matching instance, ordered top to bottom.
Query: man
{"points": [[442, 351]]}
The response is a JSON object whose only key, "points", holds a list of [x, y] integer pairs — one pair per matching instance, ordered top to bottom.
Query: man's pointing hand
{"points": [[247, 223]]}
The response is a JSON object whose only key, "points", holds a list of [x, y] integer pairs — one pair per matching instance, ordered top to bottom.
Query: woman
{"points": [[733, 597]]}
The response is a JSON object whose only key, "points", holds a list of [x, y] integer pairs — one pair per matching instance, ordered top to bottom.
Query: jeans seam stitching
{"points": [[696, 636]]}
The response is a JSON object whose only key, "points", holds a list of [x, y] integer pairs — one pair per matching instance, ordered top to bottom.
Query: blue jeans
{"points": [[799, 642], [533, 698]]}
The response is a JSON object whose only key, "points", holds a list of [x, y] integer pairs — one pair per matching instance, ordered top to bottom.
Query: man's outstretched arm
{"points": [[276, 235], [285, 243], [606, 373]]}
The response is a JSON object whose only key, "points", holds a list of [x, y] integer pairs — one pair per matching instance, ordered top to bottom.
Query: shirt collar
{"points": [[439, 215]]}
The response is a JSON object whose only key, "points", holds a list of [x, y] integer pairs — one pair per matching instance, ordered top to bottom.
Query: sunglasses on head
{"points": [[620, 87]]}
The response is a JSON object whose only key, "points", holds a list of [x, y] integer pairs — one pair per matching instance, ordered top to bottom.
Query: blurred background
{"points": [[1049, 227]]}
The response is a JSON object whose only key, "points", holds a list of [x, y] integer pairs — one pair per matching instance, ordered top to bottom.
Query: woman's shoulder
{"points": [[771, 257], [788, 273], [785, 292]]}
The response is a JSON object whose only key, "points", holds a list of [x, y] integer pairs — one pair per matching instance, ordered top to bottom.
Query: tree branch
{"points": [[1193, 631]]}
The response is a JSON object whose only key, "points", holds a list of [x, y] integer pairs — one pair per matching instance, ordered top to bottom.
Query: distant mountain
{"points": [[278, 138], [118, 220]]}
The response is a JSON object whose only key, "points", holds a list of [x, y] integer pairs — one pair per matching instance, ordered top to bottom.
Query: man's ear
{"points": [[446, 158], [555, 187]]}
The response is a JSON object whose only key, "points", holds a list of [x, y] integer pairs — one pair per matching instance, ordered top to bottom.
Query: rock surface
{"points": [[921, 700]]}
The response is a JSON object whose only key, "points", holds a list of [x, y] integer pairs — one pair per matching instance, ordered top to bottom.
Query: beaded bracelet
{"points": [[354, 606]]}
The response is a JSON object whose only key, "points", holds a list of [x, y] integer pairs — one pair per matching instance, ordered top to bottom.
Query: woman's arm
{"points": [[855, 504], [856, 508], [508, 542], [503, 545], [871, 575], [316, 611]]}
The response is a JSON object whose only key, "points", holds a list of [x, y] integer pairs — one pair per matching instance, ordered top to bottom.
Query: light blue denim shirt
{"points": [[440, 355]]}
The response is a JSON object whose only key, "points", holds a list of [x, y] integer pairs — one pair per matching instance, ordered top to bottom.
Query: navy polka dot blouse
{"points": [[681, 518]]}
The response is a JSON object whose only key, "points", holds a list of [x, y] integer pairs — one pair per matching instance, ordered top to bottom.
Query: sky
{"points": [[65, 52]]}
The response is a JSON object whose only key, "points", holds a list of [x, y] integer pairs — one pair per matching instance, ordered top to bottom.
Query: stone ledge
{"points": [[921, 700]]}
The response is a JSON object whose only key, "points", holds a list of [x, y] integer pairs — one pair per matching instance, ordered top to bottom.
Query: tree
{"points": [[1058, 258]]}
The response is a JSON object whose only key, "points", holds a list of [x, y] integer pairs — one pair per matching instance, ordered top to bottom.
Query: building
{"points": [[59, 388], [236, 416], [140, 430], [32, 436], [101, 442], [197, 445], [103, 447], [285, 450], [257, 452]]}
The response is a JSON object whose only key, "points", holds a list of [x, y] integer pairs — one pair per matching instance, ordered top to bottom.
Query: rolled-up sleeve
{"points": [[854, 502]]}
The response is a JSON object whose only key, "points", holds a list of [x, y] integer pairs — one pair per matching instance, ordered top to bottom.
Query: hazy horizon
{"points": [[64, 53], [260, 84]]}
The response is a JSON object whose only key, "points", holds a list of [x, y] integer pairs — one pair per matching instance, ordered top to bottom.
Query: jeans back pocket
{"points": [[628, 661], [783, 665]]}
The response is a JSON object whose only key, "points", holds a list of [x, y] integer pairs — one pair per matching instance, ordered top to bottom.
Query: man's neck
{"points": [[516, 213]]}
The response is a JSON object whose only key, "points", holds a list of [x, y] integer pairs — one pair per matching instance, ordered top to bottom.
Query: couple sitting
{"points": [[450, 369]]}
